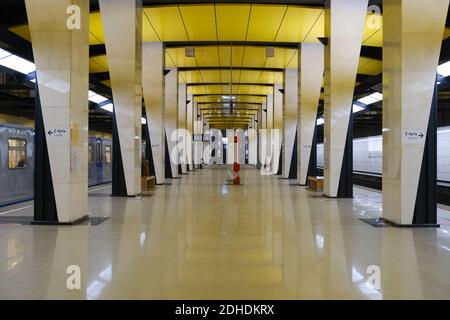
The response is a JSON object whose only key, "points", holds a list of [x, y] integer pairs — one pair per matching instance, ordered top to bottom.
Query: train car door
{"points": [[99, 160], [107, 161], [92, 165]]}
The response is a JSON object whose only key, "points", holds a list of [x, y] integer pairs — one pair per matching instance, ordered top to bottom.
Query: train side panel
{"points": [[16, 164]]}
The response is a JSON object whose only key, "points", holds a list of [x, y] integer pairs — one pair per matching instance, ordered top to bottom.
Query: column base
{"points": [[330, 197], [56, 223], [397, 225]]}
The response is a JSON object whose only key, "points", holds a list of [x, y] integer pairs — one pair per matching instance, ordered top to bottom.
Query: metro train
{"points": [[368, 155], [368, 158], [100, 161], [17, 163]]}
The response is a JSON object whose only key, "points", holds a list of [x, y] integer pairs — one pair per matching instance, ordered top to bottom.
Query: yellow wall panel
{"points": [[232, 21], [265, 21], [200, 22], [298, 22], [167, 23], [96, 29], [317, 30], [22, 31], [373, 31], [148, 33], [446, 33], [231, 55], [206, 56], [177, 57], [254, 57], [282, 58], [169, 60], [98, 64], [369, 66], [225, 75], [192, 76], [210, 76], [247, 76], [269, 77], [214, 89], [197, 90], [262, 90]]}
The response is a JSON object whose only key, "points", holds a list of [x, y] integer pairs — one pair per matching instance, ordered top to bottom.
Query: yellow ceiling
{"points": [[232, 22], [238, 98]]}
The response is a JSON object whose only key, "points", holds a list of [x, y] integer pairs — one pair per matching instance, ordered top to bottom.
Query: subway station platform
{"points": [[200, 238]]}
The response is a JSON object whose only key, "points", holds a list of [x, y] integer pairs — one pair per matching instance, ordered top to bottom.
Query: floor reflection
{"points": [[199, 238]]}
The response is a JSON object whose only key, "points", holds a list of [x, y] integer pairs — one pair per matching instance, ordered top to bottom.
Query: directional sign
{"points": [[58, 134], [413, 136]]}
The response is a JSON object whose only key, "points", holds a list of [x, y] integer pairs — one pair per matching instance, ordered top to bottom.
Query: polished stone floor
{"points": [[200, 238]]}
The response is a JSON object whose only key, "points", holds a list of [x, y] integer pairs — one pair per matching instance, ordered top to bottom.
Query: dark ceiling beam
{"points": [[310, 3], [13, 12], [13, 43], [182, 44], [97, 50], [366, 51], [445, 51], [372, 52], [200, 68], [98, 76], [367, 83], [199, 84], [234, 94], [234, 103], [243, 109], [226, 111], [230, 117], [228, 121]]}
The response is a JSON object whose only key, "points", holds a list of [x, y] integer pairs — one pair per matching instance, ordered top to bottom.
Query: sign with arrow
{"points": [[57, 134], [413, 136]]}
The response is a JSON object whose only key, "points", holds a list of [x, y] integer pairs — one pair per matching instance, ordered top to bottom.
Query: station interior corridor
{"points": [[226, 150], [202, 238]]}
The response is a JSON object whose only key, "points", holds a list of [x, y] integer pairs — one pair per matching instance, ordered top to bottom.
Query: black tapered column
{"points": [[312, 166], [119, 186], [345, 188], [44, 195], [425, 210]]}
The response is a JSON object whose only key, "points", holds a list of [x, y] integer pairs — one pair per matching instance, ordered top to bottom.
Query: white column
{"points": [[344, 26], [122, 28], [412, 36], [61, 56], [311, 66], [153, 85], [182, 96], [269, 105], [290, 107], [171, 118], [277, 127], [190, 130], [197, 130], [230, 146]]}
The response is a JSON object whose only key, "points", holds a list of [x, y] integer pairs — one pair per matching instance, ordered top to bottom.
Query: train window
{"points": [[17, 153], [91, 153], [108, 154]]}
